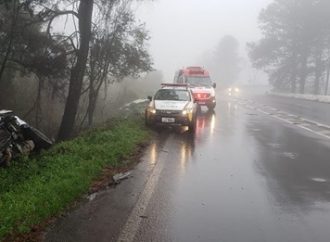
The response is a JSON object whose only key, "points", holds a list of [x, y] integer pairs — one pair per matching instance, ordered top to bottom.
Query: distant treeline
{"points": [[295, 47]]}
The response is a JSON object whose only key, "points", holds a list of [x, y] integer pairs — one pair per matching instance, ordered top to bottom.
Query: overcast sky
{"points": [[183, 30]]}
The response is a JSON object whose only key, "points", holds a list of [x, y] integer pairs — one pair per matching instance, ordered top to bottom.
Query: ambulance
{"points": [[200, 83]]}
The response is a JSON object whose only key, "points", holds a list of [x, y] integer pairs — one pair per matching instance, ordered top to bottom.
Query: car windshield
{"points": [[203, 81], [172, 94]]}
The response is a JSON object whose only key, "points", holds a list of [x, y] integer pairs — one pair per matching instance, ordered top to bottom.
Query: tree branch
{"points": [[57, 14]]}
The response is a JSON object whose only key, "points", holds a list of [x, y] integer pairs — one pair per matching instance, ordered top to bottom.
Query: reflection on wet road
{"points": [[242, 176]]}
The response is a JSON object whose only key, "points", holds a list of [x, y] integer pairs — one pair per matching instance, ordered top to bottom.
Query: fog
{"points": [[183, 31]]}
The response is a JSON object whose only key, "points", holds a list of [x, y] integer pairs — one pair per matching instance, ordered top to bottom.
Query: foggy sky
{"points": [[182, 31]]}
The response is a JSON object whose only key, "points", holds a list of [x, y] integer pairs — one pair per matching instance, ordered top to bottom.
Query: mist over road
{"points": [[244, 175]]}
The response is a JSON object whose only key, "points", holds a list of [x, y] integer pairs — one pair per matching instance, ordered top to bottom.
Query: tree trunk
{"points": [[85, 13], [11, 39], [318, 73], [303, 74], [328, 74], [293, 75], [293, 78], [327, 80], [317, 84], [93, 96], [91, 103], [38, 114]]}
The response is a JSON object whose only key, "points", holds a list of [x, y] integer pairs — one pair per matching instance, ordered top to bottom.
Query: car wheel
{"points": [[211, 107], [199, 109], [147, 120], [192, 125]]}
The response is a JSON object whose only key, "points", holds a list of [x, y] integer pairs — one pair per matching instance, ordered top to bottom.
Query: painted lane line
{"points": [[302, 119], [312, 122], [294, 123], [316, 123], [300, 126], [318, 133], [133, 222]]}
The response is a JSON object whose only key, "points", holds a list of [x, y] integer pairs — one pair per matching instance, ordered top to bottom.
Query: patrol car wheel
{"points": [[147, 121], [192, 125]]}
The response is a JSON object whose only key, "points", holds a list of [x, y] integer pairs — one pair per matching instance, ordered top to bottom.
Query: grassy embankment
{"points": [[33, 190]]}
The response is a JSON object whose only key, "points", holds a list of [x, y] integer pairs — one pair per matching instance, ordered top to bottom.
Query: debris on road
{"points": [[121, 176], [92, 197]]}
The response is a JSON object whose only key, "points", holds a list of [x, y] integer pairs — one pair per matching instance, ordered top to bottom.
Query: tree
{"points": [[84, 15], [103, 16], [23, 43], [294, 43], [105, 45], [25, 48], [116, 53], [225, 62]]}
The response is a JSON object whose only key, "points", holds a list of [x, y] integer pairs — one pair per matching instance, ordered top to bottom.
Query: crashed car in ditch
{"points": [[172, 105], [18, 137]]}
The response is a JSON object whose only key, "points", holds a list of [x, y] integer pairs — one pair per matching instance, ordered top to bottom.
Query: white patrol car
{"points": [[173, 104]]}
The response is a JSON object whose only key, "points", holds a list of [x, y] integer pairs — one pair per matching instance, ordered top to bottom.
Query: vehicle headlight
{"points": [[229, 89], [236, 89], [152, 110], [187, 111]]}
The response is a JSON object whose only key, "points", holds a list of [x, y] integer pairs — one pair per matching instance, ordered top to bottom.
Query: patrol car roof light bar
{"points": [[174, 85]]}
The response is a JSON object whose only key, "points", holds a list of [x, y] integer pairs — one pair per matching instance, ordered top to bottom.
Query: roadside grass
{"points": [[33, 190]]}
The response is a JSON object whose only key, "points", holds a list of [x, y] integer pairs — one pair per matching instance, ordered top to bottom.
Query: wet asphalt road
{"points": [[316, 111], [243, 176]]}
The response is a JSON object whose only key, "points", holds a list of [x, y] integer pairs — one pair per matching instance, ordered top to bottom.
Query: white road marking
{"points": [[316, 123], [296, 125], [310, 130], [290, 155], [318, 179], [133, 222]]}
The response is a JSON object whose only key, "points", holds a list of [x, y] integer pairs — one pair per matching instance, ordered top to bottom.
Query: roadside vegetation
{"points": [[71, 55], [63, 80], [35, 189]]}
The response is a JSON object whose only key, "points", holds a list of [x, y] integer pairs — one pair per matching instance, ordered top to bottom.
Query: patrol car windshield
{"points": [[203, 81], [172, 94]]}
